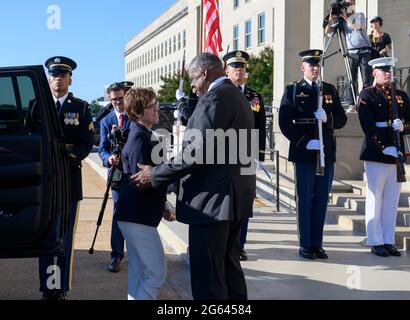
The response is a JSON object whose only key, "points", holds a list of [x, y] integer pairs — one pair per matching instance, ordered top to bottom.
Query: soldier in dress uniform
{"points": [[235, 67], [298, 121], [77, 126], [379, 155]]}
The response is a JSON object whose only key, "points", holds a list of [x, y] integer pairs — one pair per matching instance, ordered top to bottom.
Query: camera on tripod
{"points": [[336, 7], [118, 138]]}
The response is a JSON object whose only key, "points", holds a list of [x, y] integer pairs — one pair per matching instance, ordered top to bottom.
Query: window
{"points": [[235, 4], [273, 25], [261, 28], [248, 33], [235, 37], [184, 38], [179, 41], [175, 43], [170, 46], [166, 48], [162, 50], [158, 52], [155, 53], [174, 68], [166, 71], [169, 71], [16, 110]]}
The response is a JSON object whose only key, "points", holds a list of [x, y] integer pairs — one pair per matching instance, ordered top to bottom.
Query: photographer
{"points": [[353, 26], [119, 119]]}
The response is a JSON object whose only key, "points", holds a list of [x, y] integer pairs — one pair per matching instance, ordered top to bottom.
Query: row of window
{"points": [[236, 3], [248, 32], [158, 52], [154, 76]]}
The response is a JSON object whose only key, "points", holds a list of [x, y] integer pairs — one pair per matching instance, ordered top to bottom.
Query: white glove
{"points": [[180, 94], [177, 115], [321, 115], [398, 125], [313, 145], [390, 151]]}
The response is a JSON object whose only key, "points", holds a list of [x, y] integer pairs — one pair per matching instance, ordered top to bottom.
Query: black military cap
{"points": [[311, 56], [236, 58], [60, 64], [127, 84]]}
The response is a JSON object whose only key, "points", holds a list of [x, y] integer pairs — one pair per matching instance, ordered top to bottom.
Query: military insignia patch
{"points": [[239, 54], [57, 60], [302, 95], [255, 105], [91, 127]]}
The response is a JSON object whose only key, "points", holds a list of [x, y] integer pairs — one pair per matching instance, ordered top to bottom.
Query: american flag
{"points": [[213, 37]]}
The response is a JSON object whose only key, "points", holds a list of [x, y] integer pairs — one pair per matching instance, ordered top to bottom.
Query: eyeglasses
{"points": [[117, 99], [152, 105]]}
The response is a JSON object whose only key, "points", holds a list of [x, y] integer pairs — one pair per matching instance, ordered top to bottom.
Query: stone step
{"points": [[353, 221]]}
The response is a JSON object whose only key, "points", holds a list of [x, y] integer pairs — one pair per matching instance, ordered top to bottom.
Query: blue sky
{"points": [[93, 33]]}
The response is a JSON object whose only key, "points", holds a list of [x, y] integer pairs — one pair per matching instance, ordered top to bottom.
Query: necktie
{"points": [[314, 86], [240, 89], [58, 105], [121, 121]]}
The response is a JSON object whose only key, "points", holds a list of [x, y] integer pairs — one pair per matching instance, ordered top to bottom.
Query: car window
{"points": [[19, 114]]}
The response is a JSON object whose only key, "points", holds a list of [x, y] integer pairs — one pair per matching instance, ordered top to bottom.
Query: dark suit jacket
{"points": [[300, 101], [77, 125], [211, 193], [139, 206]]}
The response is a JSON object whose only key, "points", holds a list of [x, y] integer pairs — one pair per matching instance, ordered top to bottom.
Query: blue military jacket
{"points": [[299, 102], [375, 105], [258, 108], [77, 125]]}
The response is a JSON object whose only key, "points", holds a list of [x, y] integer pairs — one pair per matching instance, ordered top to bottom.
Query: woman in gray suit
{"points": [[139, 212]]}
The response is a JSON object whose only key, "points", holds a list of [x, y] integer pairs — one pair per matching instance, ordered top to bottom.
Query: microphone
{"points": [[103, 112]]}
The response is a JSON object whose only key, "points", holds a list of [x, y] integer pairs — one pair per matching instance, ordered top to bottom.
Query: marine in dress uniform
{"points": [[235, 66], [116, 117], [298, 121], [77, 126], [379, 155]]}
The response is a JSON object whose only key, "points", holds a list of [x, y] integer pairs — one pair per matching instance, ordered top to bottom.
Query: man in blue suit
{"points": [[116, 117]]}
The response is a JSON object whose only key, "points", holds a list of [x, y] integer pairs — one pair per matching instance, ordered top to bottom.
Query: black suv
{"points": [[34, 179]]}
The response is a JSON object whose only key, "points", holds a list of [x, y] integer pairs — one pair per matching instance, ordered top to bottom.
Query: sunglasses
{"points": [[117, 99]]}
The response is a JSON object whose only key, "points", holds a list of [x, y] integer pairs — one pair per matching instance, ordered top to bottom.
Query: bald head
{"points": [[204, 69]]}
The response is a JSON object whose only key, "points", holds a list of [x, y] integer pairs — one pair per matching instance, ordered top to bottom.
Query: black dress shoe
{"points": [[392, 250], [380, 251], [320, 252], [307, 253], [243, 256], [115, 265], [47, 296], [53, 296]]}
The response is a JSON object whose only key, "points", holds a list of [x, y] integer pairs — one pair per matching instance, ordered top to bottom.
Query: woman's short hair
{"points": [[377, 19], [136, 100]]}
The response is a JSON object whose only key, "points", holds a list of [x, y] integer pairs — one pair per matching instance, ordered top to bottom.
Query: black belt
{"points": [[305, 121]]}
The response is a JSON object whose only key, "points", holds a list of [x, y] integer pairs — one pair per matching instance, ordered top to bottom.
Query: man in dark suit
{"points": [[236, 71], [119, 119], [298, 121], [76, 122], [213, 198]]}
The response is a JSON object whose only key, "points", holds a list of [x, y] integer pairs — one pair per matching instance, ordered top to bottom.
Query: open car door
{"points": [[34, 179]]}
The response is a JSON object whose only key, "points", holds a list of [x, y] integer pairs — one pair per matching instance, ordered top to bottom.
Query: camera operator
{"points": [[353, 26], [117, 119]]}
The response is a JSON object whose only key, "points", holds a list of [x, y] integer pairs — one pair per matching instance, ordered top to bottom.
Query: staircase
{"points": [[346, 201]]}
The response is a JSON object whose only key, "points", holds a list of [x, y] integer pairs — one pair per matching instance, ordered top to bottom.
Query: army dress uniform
{"points": [[299, 125], [78, 135], [382, 189]]}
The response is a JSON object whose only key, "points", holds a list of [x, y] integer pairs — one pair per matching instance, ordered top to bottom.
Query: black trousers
{"points": [[356, 61], [216, 272]]}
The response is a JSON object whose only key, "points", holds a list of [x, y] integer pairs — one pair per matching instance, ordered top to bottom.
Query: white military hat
{"points": [[385, 62]]}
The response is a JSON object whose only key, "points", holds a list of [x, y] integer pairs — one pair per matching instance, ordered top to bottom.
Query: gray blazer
{"points": [[210, 193]]}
